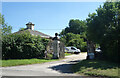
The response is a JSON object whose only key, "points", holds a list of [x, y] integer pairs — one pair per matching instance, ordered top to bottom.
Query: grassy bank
{"points": [[17, 62], [97, 68]]}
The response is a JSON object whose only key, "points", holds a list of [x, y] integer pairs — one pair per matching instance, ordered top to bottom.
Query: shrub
{"points": [[75, 40], [79, 43], [23, 46]]}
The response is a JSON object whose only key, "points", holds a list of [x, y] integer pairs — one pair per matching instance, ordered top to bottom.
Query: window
{"points": [[73, 48]]}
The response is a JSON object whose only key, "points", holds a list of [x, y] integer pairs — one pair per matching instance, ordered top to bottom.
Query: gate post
{"points": [[55, 47], [90, 50]]}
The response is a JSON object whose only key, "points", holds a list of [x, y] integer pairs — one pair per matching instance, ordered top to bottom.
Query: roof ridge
{"points": [[34, 32], [41, 32]]}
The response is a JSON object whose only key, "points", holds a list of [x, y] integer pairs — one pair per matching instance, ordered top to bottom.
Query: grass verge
{"points": [[67, 54], [17, 62], [97, 68]]}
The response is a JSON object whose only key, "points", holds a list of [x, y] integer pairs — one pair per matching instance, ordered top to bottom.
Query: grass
{"points": [[67, 54], [17, 62], [97, 68]]}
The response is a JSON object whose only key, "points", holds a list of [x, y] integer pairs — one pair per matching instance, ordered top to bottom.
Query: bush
{"points": [[75, 40], [79, 43], [23, 46], [110, 51], [49, 56]]}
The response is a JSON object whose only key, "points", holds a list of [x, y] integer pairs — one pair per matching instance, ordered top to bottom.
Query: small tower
{"points": [[30, 26]]}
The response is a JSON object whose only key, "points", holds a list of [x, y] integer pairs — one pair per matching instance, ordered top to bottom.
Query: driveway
{"points": [[56, 68]]}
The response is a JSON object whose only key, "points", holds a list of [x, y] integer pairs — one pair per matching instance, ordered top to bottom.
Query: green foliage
{"points": [[75, 27], [103, 28], [6, 29], [21, 29], [75, 34], [75, 40], [45, 41], [22, 46], [67, 54], [49, 56]]}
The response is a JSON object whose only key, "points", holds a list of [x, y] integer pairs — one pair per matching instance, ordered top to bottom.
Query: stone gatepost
{"points": [[55, 47], [90, 50]]}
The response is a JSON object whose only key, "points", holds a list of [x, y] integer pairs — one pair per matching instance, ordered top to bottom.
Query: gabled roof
{"points": [[34, 32]]}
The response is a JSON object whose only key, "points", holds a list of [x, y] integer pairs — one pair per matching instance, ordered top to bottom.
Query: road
{"points": [[56, 68]]}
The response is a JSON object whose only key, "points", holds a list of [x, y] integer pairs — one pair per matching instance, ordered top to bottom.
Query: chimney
{"points": [[30, 26]]}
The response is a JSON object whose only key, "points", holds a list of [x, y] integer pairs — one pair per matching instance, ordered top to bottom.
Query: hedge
{"points": [[23, 46]]}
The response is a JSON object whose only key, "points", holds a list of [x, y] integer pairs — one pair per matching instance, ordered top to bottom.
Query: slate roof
{"points": [[34, 32]]}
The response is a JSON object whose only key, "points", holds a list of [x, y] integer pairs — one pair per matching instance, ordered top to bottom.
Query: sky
{"points": [[48, 17]]}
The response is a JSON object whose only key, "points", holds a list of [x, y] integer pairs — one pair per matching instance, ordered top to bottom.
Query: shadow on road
{"points": [[76, 61], [65, 68]]}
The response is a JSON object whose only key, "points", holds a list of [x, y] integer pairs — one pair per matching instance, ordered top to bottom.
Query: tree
{"points": [[75, 27], [103, 28], [6, 29], [21, 29], [75, 34], [75, 40]]}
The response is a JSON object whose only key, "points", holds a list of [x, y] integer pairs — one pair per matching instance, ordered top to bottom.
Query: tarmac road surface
{"points": [[56, 68]]}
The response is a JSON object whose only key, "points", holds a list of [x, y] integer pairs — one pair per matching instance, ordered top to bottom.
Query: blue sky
{"points": [[48, 17]]}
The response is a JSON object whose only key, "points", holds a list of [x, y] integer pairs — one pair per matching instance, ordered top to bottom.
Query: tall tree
{"points": [[75, 27], [103, 28], [6, 29], [75, 34]]}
